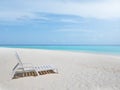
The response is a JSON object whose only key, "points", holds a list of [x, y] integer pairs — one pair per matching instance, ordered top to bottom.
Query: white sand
{"points": [[77, 71]]}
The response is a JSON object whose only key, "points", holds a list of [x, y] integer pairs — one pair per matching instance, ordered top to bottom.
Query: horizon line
{"points": [[59, 44]]}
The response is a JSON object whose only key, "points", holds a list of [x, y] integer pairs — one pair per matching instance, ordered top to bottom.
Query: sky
{"points": [[60, 22]]}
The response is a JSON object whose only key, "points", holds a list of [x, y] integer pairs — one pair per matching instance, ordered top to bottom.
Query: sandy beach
{"points": [[76, 70]]}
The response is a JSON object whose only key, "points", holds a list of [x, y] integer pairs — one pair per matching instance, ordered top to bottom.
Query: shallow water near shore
{"points": [[92, 49]]}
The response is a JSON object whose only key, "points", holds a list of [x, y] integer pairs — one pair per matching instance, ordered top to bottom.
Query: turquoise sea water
{"points": [[93, 49]]}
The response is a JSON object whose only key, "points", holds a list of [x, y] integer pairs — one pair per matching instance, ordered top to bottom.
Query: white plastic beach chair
{"points": [[29, 68]]}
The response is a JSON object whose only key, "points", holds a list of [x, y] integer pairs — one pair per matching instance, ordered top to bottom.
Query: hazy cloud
{"points": [[105, 9]]}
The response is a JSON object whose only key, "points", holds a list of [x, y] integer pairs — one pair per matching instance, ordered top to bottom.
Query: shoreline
{"points": [[73, 51]]}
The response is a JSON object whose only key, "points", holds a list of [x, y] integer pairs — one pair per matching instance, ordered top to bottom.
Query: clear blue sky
{"points": [[60, 22]]}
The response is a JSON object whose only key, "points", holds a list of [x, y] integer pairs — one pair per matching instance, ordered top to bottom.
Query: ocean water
{"points": [[93, 49]]}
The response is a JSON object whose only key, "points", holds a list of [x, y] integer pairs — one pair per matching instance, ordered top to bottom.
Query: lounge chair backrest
{"points": [[19, 60]]}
